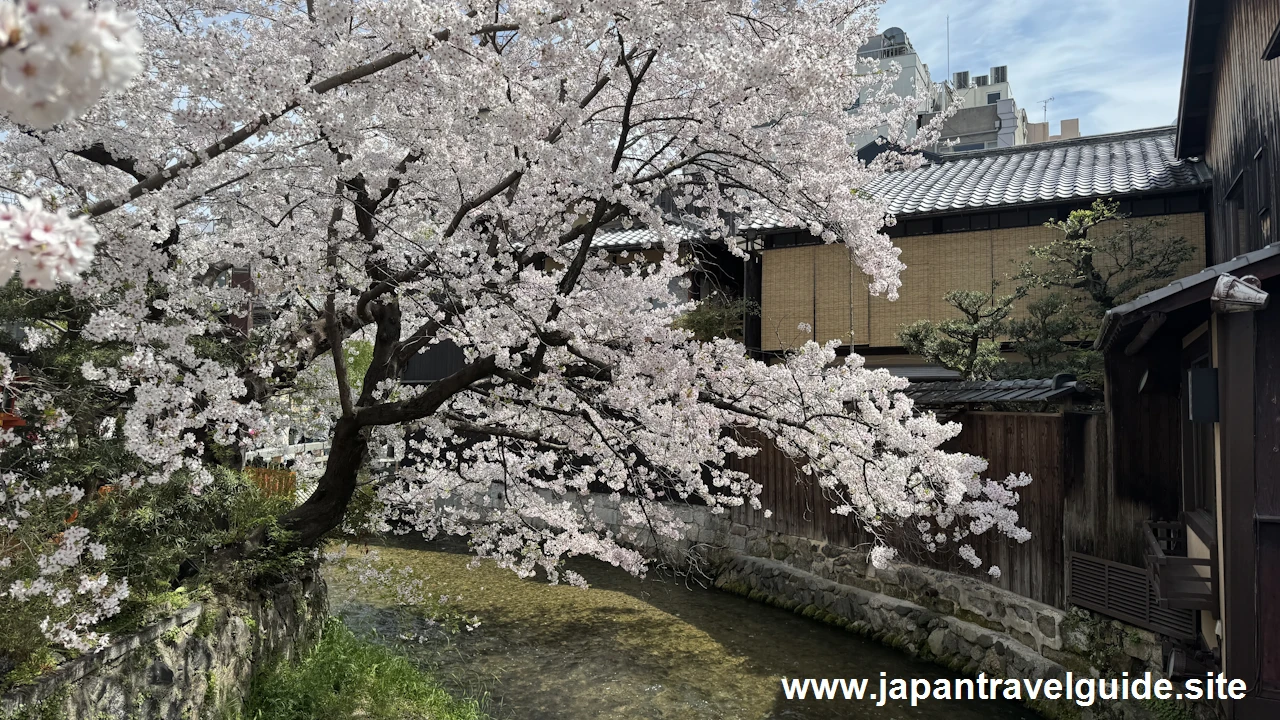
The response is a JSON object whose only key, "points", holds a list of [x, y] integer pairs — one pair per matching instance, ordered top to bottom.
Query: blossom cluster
{"points": [[58, 57], [44, 246], [37, 531]]}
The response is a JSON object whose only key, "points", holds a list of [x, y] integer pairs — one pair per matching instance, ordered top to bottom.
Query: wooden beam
{"points": [[1273, 45], [1154, 321]]}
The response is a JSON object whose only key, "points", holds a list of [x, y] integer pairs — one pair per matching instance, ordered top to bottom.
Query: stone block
{"points": [[981, 606], [1047, 626], [1024, 638]]}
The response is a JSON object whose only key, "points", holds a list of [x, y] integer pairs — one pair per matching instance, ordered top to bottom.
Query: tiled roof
{"points": [[1095, 166], [1087, 167], [764, 218], [619, 237], [986, 391]]}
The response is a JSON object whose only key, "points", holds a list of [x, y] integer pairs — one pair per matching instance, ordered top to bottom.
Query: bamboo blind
{"points": [[821, 286], [787, 296], [833, 307]]}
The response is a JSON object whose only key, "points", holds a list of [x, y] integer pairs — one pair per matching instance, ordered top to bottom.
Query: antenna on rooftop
{"points": [[1045, 103]]}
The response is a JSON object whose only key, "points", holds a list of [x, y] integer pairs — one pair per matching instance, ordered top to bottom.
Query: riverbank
{"points": [[626, 648]]}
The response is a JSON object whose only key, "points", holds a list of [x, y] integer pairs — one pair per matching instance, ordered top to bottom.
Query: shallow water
{"points": [[632, 649]]}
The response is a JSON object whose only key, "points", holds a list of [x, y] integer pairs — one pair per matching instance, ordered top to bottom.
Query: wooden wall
{"points": [[1244, 116], [818, 284], [1145, 434], [1011, 442], [1033, 443], [1267, 489], [1098, 520]]}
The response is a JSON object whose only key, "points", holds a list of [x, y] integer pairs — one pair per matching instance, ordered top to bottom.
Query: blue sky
{"points": [[1115, 64]]}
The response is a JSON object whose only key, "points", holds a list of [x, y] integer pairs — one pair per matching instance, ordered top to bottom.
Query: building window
{"points": [[993, 98], [968, 146], [1198, 454]]}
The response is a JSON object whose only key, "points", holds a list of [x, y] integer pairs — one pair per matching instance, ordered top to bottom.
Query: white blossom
{"points": [[58, 57], [43, 246]]}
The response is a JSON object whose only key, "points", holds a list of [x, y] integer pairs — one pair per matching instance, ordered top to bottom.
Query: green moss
{"points": [[208, 620], [1104, 640], [30, 669], [210, 704], [1168, 709], [1055, 710]]}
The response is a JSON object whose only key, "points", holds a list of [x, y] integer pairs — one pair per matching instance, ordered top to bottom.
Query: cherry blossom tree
{"points": [[416, 172]]}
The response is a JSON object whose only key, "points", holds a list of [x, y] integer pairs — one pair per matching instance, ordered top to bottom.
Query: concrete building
{"points": [[890, 48], [980, 90], [989, 116], [1039, 132]]}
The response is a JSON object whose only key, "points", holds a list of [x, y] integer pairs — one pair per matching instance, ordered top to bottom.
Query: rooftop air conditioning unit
{"points": [[1000, 74], [961, 80], [981, 80]]}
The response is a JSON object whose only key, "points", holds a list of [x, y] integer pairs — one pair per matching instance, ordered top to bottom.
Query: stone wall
{"points": [[963, 623], [194, 665]]}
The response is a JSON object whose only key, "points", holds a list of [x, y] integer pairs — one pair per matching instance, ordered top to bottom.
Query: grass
{"points": [[346, 677]]}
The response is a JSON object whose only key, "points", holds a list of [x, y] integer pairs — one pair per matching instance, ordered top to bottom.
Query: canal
{"points": [[627, 648]]}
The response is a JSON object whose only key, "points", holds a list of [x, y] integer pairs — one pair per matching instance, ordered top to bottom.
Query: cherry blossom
{"points": [[58, 57], [288, 178], [43, 246]]}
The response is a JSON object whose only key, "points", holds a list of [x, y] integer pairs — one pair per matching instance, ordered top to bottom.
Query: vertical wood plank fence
{"points": [[1012, 442]]}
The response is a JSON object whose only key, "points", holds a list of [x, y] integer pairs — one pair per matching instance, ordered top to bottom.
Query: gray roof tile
{"points": [[1093, 166], [1076, 169], [635, 237], [986, 391]]}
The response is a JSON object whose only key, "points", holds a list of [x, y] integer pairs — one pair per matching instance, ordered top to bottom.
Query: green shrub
{"points": [[151, 532], [346, 677]]}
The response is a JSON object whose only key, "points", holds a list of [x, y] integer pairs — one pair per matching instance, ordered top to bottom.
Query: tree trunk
{"points": [[324, 510]]}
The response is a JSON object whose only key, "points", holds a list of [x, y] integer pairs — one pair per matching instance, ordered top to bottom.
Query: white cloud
{"points": [[1116, 65]]}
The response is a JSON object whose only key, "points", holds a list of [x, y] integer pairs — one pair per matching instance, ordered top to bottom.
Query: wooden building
{"points": [[962, 221], [1193, 369]]}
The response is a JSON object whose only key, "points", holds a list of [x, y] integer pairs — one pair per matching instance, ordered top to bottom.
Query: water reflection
{"points": [[636, 649]]}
